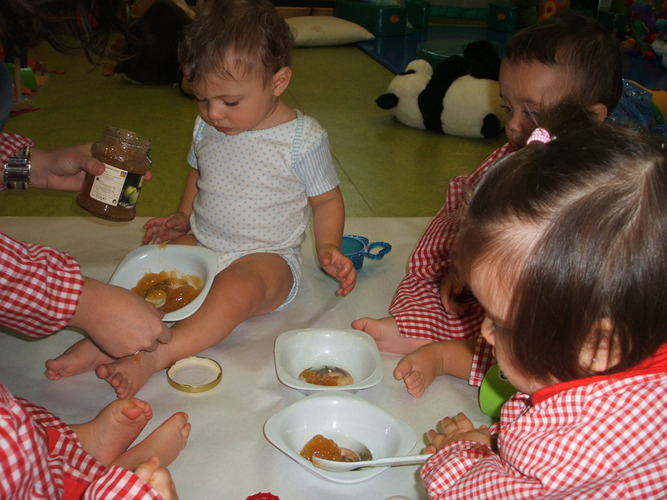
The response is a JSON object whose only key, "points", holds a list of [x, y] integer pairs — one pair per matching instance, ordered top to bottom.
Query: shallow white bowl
{"points": [[186, 260], [350, 350], [339, 415]]}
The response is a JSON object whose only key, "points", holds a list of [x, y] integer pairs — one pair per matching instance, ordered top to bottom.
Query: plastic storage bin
{"points": [[385, 19]]}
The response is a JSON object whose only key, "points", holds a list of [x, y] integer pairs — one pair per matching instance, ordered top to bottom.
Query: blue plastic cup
{"points": [[356, 248]]}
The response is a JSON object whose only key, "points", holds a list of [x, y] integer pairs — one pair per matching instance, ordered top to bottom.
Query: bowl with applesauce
{"points": [[174, 278]]}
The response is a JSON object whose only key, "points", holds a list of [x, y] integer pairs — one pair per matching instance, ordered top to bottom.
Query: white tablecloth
{"points": [[227, 456]]}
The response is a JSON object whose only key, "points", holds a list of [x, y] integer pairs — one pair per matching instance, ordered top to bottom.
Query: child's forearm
{"points": [[328, 218], [456, 357]]}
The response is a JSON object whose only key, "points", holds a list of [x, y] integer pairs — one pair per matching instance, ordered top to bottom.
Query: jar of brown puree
{"points": [[114, 194]]}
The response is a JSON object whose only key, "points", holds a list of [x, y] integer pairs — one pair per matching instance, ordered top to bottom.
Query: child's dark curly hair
{"points": [[232, 35], [586, 50]]}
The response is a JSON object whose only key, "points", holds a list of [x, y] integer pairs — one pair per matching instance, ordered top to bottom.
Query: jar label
{"points": [[117, 187]]}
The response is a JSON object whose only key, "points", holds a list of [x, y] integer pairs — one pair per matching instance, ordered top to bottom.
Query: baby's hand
{"points": [[163, 229], [340, 267], [452, 285], [417, 370], [458, 428], [158, 477]]}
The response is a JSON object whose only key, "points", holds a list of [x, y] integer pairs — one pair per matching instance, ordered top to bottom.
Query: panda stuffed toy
{"points": [[460, 96]]}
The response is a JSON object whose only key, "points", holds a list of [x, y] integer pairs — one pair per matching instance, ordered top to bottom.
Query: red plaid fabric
{"points": [[10, 144], [39, 287], [416, 306], [598, 438], [40, 457]]}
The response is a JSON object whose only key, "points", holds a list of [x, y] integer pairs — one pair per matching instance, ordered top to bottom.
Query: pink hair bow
{"points": [[539, 135]]}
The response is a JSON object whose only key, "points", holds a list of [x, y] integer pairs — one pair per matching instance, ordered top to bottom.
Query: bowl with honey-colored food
{"points": [[174, 278], [327, 359], [323, 424]]}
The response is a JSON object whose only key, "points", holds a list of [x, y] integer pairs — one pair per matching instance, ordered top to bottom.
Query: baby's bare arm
{"points": [[328, 224], [162, 229], [449, 357]]}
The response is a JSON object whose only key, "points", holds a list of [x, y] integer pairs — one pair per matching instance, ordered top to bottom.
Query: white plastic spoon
{"points": [[336, 466]]}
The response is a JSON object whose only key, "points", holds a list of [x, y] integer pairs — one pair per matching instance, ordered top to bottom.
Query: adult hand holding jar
{"points": [[64, 169]]}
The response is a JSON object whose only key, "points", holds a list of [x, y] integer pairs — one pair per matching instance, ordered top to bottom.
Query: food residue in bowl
{"points": [[168, 291], [326, 375], [327, 449]]}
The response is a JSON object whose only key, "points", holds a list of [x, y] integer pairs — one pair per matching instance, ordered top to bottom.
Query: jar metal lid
{"points": [[194, 374]]}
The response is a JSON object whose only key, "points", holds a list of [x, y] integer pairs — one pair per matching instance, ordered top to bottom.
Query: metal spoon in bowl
{"points": [[358, 456], [334, 466]]}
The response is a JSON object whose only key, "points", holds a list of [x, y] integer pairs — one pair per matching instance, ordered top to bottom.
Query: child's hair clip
{"points": [[539, 135]]}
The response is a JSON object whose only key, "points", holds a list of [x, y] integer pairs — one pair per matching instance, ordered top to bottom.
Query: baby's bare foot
{"points": [[386, 335], [84, 356], [127, 375], [114, 429], [165, 443], [158, 477]]}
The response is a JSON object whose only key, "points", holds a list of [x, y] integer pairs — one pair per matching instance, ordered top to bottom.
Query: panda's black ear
{"points": [[483, 60], [387, 101]]}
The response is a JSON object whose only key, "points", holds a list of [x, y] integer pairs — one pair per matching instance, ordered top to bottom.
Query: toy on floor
{"points": [[548, 8], [641, 29], [660, 44], [403, 93], [458, 97], [642, 106]]}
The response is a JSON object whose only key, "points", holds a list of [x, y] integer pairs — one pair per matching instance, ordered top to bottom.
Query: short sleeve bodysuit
{"points": [[253, 187]]}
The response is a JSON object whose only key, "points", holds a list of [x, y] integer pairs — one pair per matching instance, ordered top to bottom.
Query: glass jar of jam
{"points": [[113, 195]]}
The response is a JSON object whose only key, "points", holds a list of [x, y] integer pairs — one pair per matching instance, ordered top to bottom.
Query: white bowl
{"points": [[184, 259], [351, 350], [339, 415]]}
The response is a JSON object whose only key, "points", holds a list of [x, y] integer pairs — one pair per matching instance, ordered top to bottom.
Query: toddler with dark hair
{"points": [[565, 247]]}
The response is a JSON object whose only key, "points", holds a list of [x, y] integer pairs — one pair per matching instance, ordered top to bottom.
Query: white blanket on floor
{"points": [[227, 456]]}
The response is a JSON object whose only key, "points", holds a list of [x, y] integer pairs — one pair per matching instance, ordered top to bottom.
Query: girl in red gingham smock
{"points": [[565, 247], [417, 304], [426, 308], [40, 455]]}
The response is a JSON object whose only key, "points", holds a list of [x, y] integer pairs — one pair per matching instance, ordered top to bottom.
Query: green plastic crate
{"points": [[418, 14], [503, 16]]}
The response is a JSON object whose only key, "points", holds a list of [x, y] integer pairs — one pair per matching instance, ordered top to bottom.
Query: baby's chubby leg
{"points": [[254, 284], [84, 356]]}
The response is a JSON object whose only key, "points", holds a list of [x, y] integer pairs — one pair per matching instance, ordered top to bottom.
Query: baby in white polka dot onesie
{"points": [[258, 169]]}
